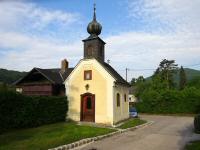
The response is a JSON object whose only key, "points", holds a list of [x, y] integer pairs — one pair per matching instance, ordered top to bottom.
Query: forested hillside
{"points": [[190, 74], [10, 76]]}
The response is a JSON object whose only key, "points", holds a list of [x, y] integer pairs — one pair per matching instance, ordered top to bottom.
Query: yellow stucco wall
{"points": [[102, 85], [121, 112]]}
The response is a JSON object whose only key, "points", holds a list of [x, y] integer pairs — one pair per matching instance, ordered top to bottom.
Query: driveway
{"points": [[166, 133]]}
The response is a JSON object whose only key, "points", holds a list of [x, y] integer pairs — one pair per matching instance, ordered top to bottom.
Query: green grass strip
{"points": [[132, 123], [48, 136], [193, 146]]}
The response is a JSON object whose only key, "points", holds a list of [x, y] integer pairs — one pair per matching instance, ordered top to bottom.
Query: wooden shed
{"points": [[43, 82]]}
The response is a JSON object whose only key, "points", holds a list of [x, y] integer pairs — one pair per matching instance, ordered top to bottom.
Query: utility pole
{"points": [[127, 73]]}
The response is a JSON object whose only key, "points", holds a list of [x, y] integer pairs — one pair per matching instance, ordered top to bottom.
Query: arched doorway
{"points": [[88, 107]]}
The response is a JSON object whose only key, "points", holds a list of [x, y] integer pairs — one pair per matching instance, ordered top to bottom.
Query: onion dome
{"points": [[94, 28]]}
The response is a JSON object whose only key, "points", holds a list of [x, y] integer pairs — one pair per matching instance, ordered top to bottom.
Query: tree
{"points": [[166, 70], [182, 78], [140, 79], [133, 81], [195, 82], [157, 83], [3, 86], [140, 86]]}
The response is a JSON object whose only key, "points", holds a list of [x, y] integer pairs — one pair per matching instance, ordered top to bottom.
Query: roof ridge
{"points": [[45, 75], [61, 75], [116, 75]]}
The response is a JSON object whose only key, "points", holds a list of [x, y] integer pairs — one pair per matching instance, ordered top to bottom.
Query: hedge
{"points": [[170, 101], [19, 111]]}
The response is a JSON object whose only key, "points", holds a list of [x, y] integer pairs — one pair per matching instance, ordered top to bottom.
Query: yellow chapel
{"points": [[95, 91]]}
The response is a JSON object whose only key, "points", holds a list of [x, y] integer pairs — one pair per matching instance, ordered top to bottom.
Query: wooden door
{"points": [[88, 108]]}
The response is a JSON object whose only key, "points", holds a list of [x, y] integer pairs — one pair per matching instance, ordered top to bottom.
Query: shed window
{"points": [[118, 100]]}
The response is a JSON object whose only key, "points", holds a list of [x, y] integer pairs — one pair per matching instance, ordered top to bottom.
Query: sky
{"points": [[138, 33]]}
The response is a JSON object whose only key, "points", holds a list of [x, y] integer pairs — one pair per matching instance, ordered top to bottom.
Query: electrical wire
{"points": [[151, 69]]}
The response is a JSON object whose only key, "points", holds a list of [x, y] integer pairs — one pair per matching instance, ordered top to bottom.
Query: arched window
{"points": [[124, 97], [118, 100]]}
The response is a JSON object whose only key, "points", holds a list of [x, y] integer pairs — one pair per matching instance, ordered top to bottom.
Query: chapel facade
{"points": [[95, 91]]}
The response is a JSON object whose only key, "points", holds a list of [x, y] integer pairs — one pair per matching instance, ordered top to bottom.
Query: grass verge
{"points": [[132, 123], [48, 136], [193, 146]]}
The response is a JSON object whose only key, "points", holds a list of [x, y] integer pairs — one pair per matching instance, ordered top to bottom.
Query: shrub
{"points": [[170, 101], [19, 111], [197, 123]]}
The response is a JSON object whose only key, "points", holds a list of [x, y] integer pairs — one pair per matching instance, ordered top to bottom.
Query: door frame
{"points": [[81, 106]]}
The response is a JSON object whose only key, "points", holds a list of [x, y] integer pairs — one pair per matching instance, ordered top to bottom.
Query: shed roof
{"points": [[53, 75]]}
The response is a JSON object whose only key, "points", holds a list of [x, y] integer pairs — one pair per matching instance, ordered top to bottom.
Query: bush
{"points": [[170, 101], [19, 111], [197, 123]]}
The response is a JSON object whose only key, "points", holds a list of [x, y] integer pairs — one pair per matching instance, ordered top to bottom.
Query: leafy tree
{"points": [[166, 70], [182, 78], [140, 79], [133, 81], [195, 82], [158, 83], [3, 86], [140, 86], [158, 95]]}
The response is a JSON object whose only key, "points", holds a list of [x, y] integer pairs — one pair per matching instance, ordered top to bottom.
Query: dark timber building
{"points": [[44, 81]]}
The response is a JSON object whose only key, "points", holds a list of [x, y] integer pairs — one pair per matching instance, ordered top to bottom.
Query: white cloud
{"points": [[15, 14], [180, 15], [175, 35], [22, 47], [132, 50], [135, 50], [145, 51], [36, 52]]}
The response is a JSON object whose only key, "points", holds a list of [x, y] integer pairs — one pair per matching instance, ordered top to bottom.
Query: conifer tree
{"points": [[166, 70], [182, 78]]}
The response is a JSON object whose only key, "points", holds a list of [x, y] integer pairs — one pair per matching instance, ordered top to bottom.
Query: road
{"points": [[166, 133]]}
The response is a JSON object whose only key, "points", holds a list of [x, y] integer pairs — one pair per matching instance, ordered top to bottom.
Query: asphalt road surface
{"points": [[166, 133]]}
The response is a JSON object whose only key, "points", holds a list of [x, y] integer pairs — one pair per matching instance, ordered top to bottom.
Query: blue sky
{"points": [[138, 33]]}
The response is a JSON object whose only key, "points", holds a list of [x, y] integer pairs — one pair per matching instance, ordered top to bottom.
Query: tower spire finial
{"points": [[94, 17], [94, 28]]}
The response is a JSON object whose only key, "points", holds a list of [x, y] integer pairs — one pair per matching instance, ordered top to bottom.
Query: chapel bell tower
{"points": [[94, 45]]}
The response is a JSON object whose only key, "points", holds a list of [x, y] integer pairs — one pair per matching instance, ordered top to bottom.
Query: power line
{"points": [[192, 65], [136, 69], [140, 69], [150, 69]]}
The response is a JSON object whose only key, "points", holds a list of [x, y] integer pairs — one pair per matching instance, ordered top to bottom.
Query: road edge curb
{"points": [[85, 141]]}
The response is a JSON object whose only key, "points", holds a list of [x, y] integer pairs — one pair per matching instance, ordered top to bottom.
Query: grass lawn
{"points": [[132, 123], [48, 136], [193, 146]]}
